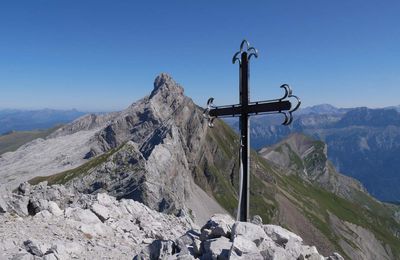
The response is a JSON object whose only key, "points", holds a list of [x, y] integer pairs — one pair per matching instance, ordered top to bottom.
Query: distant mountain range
{"points": [[323, 109], [25, 120], [363, 143]]}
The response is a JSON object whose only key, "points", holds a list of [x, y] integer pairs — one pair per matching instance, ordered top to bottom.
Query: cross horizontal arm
{"points": [[252, 108]]}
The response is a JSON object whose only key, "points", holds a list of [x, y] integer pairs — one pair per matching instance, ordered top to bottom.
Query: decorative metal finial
{"points": [[251, 50], [206, 112], [288, 114]]}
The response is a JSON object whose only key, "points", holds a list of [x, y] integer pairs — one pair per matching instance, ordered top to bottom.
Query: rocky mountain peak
{"points": [[162, 79], [164, 83], [299, 144], [146, 151], [301, 155]]}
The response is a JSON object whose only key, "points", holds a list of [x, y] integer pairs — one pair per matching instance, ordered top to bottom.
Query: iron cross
{"points": [[244, 110]]}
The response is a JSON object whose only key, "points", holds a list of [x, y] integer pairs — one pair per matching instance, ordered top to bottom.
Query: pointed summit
{"points": [[162, 79], [165, 83]]}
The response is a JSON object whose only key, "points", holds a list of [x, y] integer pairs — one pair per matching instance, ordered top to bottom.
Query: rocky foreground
{"points": [[55, 222]]}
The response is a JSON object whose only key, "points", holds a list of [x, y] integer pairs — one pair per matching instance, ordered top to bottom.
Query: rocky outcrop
{"points": [[147, 121], [308, 158], [56, 222], [223, 238]]}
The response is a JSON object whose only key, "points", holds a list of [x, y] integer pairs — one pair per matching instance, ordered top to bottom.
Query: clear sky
{"points": [[104, 55]]}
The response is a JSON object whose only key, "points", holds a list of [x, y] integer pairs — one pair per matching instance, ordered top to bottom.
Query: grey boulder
{"points": [[219, 225], [217, 248]]}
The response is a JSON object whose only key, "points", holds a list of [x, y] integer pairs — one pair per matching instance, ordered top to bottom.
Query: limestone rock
{"points": [[24, 188], [104, 199], [18, 205], [36, 205], [54, 209], [101, 211], [84, 216], [219, 225], [100, 226], [250, 231], [78, 233], [280, 235], [246, 241], [186, 244], [33, 248], [217, 248], [243, 248], [160, 249], [273, 251]]}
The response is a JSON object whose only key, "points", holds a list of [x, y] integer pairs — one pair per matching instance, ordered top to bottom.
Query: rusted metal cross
{"points": [[244, 110]]}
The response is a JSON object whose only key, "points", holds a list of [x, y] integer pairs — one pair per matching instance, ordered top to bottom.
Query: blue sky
{"points": [[104, 55]]}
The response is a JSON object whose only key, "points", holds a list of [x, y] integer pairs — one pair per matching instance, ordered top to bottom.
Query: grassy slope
{"points": [[12, 141], [65, 176], [217, 179], [319, 202]]}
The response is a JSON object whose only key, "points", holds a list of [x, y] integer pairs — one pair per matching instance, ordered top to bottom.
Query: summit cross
{"points": [[244, 110]]}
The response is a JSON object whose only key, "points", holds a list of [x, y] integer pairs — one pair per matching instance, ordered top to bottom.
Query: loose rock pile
{"points": [[55, 222], [223, 238]]}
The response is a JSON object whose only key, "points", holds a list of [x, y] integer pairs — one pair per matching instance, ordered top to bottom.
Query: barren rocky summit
{"points": [[55, 222]]}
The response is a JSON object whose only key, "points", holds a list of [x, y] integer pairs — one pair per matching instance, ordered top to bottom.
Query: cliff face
{"points": [[159, 151]]}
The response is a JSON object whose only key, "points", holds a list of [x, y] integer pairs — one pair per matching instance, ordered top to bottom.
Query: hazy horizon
{"points": [[107, 111]]}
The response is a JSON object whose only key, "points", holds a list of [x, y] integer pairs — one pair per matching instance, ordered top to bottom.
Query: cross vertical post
{"points": [[244, 110], [243, 210]]}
